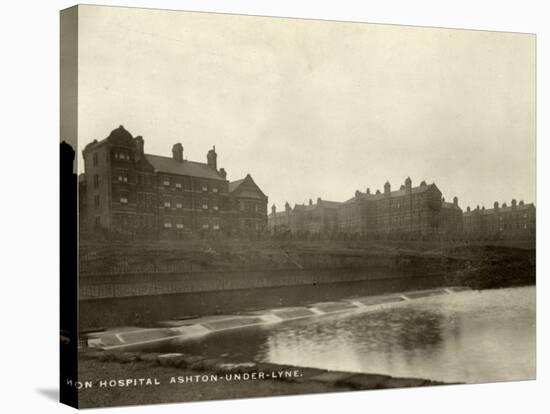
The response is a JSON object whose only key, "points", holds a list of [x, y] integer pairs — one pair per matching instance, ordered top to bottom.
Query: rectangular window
{"points": [[95, 159], [96, 181], [166, 182], [178, 185], [204, 188], [215, 189], [123, 200], [96, 201], [167, 204], [179, 205], [215, 207], [97, 222], [167, 225], [179, 226], [205, 226], [216, 227]]}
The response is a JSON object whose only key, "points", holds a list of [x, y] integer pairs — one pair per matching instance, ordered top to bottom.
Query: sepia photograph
{"points": [[260, 206]]}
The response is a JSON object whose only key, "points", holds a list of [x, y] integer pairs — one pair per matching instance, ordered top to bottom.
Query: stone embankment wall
{"points": [[307, 269]]}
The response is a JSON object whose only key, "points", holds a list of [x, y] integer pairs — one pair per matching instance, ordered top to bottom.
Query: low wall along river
{"points": [[145, 299]]}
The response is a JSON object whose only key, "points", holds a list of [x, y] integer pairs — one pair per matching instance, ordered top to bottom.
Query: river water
{"points": [[472, 336]]}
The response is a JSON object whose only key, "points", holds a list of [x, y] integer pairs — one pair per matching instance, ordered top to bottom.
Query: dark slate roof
{"points": [[189, 168], [233, 185], [397, 193], [320, 203], [329, 204], [446, 204], [507, 209]]}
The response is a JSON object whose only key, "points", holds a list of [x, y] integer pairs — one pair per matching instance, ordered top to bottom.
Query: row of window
{"points": [[122, 155], [167, 181], [178, 205], [179, 226]]}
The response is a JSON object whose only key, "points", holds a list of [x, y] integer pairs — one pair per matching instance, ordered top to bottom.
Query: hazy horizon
{"points": [[315, 108]]}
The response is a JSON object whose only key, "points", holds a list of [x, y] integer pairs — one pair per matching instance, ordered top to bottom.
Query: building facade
{"points": [[139, 195], [410, 212], [312, 218], [517, 221]]}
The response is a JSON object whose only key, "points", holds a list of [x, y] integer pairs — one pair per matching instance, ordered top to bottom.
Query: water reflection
{"points": [[464, 337]]}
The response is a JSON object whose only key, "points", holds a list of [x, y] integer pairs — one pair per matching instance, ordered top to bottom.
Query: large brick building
{"points": [[139, 195], [410, 212], [516, 221]]}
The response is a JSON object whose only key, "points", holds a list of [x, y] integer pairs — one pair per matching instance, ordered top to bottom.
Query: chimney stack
{"points": [[139, 147], [177, 152], [211, 158], [222, 173], [408, 184], [387, 188]]}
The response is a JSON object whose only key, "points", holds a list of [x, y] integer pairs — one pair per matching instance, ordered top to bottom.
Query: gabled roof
{"points": [[190, 168], [235, 185]]}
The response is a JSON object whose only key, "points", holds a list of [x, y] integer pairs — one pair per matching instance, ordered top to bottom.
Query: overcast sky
{"points": [[315, 108]]}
